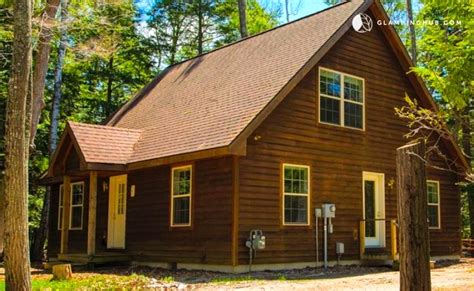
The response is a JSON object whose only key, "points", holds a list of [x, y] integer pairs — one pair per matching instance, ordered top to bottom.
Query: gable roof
{"points": [[206, 102], [209, 105], [104, 144]]}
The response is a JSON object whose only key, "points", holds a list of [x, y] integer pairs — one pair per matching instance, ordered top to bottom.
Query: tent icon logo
{"points": [[362, 23]]}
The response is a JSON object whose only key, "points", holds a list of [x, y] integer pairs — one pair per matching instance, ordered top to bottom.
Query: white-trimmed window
{"points": [[341, 99], [296, 185], [181, 191], [77, 205], [60, 207], [434, 219]]}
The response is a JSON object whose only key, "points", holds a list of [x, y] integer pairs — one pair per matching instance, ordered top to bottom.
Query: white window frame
{"points": [[341, 99], [308, 195], [173, 197], [435, 204], [77, 205], [60, 206]]}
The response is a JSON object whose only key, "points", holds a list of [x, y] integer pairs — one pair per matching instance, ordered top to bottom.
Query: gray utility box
{"points": [[329, 210]]}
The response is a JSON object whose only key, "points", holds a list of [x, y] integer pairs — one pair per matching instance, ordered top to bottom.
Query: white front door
{"points": [[374, 208], [117, 212]]}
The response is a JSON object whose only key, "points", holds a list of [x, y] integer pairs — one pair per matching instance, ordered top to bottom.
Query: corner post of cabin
{"points": [[92, 213], [66, 214], [393, 230], [362, 238]]}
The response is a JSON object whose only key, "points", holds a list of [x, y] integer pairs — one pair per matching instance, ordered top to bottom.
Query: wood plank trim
{"points": [[215, 152], [235, 210], [66, 214], [91, 229], [362, 238]]}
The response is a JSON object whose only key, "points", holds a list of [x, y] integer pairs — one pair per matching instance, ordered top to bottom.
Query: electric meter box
{"points": [[329, 210], [256, 240], [259, 243], [339, 248]]}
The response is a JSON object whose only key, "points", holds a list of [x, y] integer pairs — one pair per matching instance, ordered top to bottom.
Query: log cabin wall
{"points": [[337, 156], [149, 235]]}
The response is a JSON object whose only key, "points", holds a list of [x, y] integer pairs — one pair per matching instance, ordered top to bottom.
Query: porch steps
{"points": [[374, 257]]}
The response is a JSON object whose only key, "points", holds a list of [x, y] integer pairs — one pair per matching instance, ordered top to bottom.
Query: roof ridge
{"points": [[74, 123]]}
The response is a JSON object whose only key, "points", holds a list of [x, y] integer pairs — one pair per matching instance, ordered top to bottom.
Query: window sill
{"points": [[347, 128]]}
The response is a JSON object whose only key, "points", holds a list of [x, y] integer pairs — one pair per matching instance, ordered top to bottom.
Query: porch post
{"points": [[92, 213], [66, 214]]}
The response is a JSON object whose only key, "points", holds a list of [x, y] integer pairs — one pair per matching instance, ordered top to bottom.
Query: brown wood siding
{"points": [[337, 156], [208, 240]]}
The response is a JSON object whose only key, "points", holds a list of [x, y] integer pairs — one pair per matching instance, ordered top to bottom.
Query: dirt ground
{"points": [[447, 276]]}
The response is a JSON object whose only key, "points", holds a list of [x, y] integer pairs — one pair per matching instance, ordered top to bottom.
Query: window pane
{"points": [[330, 83], [353, 89], [330, 110], [353, 115], [296, 179], [182, 181], [287, 186], [77, 188], [432, 192], [77, 194], [61, 195], [369, 199], [296, 209], [181, 210], [433, 215], [76, 217], [60, 218]]}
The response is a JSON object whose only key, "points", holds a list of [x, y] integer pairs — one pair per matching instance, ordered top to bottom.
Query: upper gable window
{"points": [[341, 99]]}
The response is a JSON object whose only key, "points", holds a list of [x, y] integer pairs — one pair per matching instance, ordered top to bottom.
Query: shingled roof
{"points": [[209, 102], [105, 144]]}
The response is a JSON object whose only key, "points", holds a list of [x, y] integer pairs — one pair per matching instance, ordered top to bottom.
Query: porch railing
{"points": [[393, 236]]}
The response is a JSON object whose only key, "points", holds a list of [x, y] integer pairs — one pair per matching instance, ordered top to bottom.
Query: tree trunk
{"points": [[287, 11], [243, 18], [411, 26], [200, 36], [41, 65], [110, 75], [58, 80], [467, 148], [2, 212], [413, 218], [37, 250], [17, 264]]}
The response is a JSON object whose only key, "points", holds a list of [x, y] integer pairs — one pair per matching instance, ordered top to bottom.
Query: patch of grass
{"points": [[282, 278], [167, 279], [233, 279], [97, 282]]}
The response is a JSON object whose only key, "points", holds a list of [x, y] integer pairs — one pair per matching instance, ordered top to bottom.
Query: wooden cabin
{"points": [[255, 135]]}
